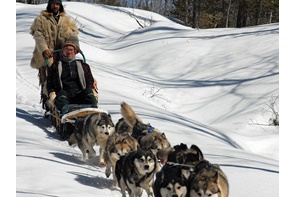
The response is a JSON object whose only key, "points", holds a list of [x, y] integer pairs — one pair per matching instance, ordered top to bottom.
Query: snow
{"points": [[209, 87]]}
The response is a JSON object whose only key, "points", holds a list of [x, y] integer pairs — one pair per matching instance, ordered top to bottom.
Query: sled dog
{"points": [[122, 126], [94, 129], [147, 136], [118, 144], [163, 154], [189, 157], [135, 172], [208, 180], [170, 182]]}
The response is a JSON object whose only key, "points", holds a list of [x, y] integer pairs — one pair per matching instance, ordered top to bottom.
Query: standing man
{"points": [[50, 30]]}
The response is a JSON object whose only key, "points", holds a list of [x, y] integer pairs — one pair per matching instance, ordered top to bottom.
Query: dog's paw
{"points": [[91, 154], [102, 164], [108, 172]]}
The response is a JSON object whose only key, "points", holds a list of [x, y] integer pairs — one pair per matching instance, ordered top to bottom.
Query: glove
{"points": [[47, 54], [95, 85], [95, 93], [52, 96], [50, 101]]}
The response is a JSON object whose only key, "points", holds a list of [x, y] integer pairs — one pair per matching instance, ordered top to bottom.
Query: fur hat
{"points": [[55, 1], [48, 8], [70, 43]]}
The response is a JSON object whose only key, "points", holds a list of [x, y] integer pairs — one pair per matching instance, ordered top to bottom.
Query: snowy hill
{"points": [[207, 87]]}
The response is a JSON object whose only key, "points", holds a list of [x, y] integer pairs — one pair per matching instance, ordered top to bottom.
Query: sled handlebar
{"points": [[59, 50]]}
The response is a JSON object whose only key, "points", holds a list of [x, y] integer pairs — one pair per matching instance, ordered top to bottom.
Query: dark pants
{"points": [[42, 82], [84, 97]]}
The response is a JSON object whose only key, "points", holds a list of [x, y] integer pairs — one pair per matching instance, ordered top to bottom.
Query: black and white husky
{"points": [[135, 172], [170, 182]]}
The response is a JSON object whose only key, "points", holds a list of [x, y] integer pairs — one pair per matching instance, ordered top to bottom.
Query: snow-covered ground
{"points": [[209, 87]]}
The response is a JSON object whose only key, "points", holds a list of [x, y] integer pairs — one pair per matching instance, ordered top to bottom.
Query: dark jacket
{"points": [[82, 72]]}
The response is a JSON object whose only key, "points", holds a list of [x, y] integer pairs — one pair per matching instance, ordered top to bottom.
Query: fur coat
{"points": [[48, 34]]}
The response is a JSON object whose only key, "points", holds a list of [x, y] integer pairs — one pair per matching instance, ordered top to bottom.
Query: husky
{"points": [[122, 126], [94, 129], [147, 136], [118, 144], [163, 154], [186, 157], [135, 172], [208, 180], [170, 182]]}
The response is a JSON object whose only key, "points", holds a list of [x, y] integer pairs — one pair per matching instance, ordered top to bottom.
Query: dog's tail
{"points": [[129, 115]]}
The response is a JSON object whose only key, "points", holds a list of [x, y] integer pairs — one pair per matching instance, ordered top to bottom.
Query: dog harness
{"points": [[150, 129], [141, 133]]}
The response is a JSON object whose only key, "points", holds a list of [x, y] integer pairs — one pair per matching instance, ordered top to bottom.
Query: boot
{"points": [[43, 83], [50, 101]]}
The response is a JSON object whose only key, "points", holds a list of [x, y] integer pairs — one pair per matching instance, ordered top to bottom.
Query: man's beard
{"points": [[55, 11]]}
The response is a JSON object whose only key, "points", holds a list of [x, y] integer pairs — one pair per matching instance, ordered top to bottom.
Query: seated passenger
{"points": [[70, 80]]}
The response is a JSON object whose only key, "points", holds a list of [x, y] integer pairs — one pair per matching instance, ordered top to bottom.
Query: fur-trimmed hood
{"points": [[48, 8], [50, 14]]}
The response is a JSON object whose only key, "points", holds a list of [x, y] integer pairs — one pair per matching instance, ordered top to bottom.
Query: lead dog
{"points": [[94, 129], [118, 144], [135, 172], [208, 180], [170, 182]]}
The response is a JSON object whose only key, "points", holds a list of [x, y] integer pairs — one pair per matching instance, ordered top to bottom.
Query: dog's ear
{"points": [[110, 120], [163, 136], [183, 146], [180, 147], [200, 154], [215, 177]]}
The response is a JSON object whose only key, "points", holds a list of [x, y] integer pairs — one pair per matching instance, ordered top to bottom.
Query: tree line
{"points": [[201, 13]]}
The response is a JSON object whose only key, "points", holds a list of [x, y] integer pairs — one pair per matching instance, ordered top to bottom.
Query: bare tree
{"points": [[186, 11], [258, 11], [165, 12], [200, 13], [227, 13], [242, 14], [194, 21], [273, 106]]}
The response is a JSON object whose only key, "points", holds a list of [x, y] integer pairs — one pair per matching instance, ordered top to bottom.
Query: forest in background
{"points": [[201, 13]]}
